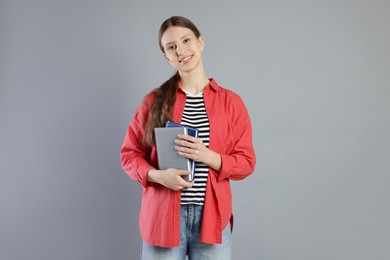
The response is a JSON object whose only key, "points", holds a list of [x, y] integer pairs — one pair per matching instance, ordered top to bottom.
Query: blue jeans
{"points": [[190, 223]]}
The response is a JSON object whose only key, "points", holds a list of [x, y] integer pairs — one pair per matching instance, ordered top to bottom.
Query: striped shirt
{"points": [[195, 116]]}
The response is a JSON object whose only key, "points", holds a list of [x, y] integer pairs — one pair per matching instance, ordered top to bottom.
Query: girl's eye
{"points": [[187, 40], [171, 47]]}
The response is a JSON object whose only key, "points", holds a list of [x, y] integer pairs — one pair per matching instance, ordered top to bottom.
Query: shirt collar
{"points": [[213, 86]]}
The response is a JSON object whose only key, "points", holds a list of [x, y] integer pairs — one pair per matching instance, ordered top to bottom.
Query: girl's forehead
{"points": [[174, 33]]}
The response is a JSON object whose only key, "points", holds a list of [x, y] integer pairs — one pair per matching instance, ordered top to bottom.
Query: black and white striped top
{"points": [[195, 116]]}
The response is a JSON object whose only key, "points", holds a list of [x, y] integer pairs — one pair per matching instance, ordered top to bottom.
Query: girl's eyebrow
{"points": [[180, 39]]}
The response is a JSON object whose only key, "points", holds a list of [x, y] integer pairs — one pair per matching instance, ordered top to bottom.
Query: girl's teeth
{"points": [[186, 59]]}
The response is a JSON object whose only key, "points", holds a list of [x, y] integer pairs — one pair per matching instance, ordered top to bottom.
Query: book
{"points": [[190, 131], [167, 155]]}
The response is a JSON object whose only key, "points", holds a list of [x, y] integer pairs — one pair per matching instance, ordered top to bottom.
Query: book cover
{"points": [[167, 155]]}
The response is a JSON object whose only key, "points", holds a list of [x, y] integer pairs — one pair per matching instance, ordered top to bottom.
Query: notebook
{"points": [[190, 131], [167, 155]]}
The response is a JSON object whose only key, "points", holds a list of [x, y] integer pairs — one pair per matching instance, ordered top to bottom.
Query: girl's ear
{"points": [[201, 42], [165, 56]]}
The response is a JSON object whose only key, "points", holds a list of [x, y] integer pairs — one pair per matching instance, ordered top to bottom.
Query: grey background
{"points": [[313, 74]]}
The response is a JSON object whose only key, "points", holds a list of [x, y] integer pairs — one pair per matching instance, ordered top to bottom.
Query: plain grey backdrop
{"points": [[315, 76]]}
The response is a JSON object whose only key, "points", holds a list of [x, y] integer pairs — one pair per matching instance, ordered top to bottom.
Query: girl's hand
{"points": [[193, 148], [170, 178]]}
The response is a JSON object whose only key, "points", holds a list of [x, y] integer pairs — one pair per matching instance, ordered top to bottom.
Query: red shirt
{"points": [[230, 136]]}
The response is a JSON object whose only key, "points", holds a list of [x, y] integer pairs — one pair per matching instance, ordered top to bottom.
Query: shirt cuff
{"points": [[227, 163], [144, 178]]}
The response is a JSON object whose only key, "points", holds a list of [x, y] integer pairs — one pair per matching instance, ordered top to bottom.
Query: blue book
{"points": [[190, 131]]}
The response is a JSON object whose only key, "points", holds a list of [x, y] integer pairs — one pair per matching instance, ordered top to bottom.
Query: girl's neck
{"points": [[194, 82]]}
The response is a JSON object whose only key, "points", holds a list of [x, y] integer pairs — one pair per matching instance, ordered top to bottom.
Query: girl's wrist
{"points": [[214, 160], [153, 176]]}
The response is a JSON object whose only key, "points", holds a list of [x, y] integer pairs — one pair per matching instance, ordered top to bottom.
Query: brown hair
{"points": [[164, 96]]}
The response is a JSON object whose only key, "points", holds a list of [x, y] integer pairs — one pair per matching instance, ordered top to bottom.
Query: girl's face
{"points": [[182, 49]]}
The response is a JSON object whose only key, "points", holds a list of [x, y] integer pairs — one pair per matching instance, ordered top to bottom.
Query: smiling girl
{"points": [[179, 218]]}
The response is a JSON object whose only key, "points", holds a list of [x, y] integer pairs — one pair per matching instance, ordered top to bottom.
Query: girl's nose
{"points": [[179, 49]]}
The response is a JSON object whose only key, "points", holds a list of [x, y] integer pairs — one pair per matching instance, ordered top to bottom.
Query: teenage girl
{"points": [[179, 218]]}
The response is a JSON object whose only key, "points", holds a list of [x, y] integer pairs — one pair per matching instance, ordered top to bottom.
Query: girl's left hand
{"points": [[192, 148]]}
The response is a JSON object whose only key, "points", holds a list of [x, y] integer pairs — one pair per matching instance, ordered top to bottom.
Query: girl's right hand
{"points": [[170, 178]]}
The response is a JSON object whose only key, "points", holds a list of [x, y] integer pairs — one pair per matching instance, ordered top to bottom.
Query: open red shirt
{"points": [[230, 136]]}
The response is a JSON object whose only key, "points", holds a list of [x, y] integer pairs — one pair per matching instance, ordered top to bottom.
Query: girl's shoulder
{"points": [[225, 92]]}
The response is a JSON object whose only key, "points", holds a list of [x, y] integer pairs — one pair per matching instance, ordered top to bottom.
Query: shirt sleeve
{"points": [[135, 156], [241, 160]]}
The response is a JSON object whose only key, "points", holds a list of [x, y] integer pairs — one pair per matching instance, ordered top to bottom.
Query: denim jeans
{"points": [[190, 223]]}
